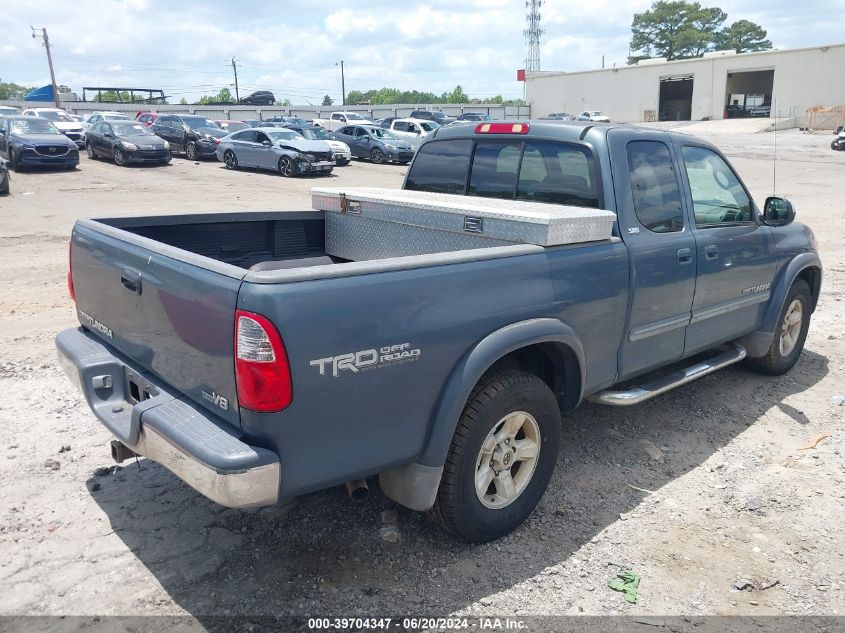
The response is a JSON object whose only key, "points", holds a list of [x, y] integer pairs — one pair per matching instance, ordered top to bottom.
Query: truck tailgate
{"points": [[174, 318]]}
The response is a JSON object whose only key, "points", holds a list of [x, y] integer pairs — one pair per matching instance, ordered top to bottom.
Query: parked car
{"points": [[260, 97], [762, 110], [9, 111], [735, 111], [431, 115], [593, 115], [473, 116], [559, 116], [96, 117], [146, 118], [340, 119], [62, 120], [286, 120], [385, 122], [264, 123], [232, 126], [413, 131], [191, 134], [27, 141], [126, 142], [375, 143], [838, 143], [275, 149], [341, 151], [5, 178], [226, 361]]}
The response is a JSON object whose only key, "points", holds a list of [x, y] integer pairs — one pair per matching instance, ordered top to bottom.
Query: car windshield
{"points": [[595, 113], [56, 116], [354, 116], [198, 121], [34, 126], [233, 126], [429, 126], [131, 129], [380, 132], [315, 134], [283, 135]]}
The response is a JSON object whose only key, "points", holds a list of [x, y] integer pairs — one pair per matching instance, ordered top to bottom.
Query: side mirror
{"points": [[108, 135], [266, 143], [778, 211]]}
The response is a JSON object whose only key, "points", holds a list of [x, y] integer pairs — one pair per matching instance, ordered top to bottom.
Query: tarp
{"points": [[45, 93]]}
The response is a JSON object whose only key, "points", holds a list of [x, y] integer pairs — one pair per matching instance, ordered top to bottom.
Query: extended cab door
{"points": [[661, 248], [735, 253]]}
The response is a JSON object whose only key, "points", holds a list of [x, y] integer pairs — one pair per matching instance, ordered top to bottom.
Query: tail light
{"points": [[501, 128], [217, 141], [70, 271], [262, 373]]}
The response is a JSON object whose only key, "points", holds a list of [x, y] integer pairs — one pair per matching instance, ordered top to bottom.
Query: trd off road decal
{"points": [[367, 359]]}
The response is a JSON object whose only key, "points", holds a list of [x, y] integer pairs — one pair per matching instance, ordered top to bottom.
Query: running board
{"points": [[671, 380]]}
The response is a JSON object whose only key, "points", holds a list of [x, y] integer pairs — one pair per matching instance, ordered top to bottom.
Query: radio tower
{"points": [[533, 34]]}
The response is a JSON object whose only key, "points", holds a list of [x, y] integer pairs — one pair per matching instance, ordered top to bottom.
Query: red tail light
{"points": [[501, 128], [70, 271], [262, 373]]}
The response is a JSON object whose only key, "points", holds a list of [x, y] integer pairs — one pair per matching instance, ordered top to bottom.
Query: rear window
{"points": [[537, 171]]}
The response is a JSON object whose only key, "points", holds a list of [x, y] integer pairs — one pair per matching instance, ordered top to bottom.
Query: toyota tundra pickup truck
{"points": [[260, 356]]}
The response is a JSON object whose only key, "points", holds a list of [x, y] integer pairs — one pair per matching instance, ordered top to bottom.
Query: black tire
{"points": [[271, 101], [191, 150], [91, 153], [377, 156], [119, 157], [230, 160], [13, 161], [287, 168], [6, 186], [775, 363], [458, 506]]}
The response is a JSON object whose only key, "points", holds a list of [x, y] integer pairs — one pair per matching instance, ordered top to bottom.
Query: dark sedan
{"points": [[191, 134], [34, 142], [126, 143], [375, 143]]}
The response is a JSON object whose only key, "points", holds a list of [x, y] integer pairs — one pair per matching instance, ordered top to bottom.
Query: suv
{"points": [[260, 97], [431, 115], [66, 124], [192, 134]]}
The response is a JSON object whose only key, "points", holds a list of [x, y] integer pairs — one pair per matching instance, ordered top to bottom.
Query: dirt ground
{"points": [[722, 499]]}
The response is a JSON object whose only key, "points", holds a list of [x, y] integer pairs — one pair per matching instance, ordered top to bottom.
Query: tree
{"points": [[675, 29], [744, 36], [13, 92], [457, 95], [224, 96], [327, 100]]}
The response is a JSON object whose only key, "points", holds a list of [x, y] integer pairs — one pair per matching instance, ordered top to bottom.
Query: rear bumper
{"points": [[167, 428]]}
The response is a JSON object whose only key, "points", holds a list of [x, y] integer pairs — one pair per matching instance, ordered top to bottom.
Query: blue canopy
{"points": [[44, 93]]}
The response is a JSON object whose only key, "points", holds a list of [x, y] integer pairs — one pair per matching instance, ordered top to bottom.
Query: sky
{"points": [[292, 48]]}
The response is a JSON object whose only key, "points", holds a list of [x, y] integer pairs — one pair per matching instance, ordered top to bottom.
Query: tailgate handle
{"points": [[131, 280]]}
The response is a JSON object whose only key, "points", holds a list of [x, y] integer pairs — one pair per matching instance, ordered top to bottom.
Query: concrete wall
{"points": [[803, 78], [267, 112]]}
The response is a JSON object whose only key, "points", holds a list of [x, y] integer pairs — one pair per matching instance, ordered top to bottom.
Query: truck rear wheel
{"points": [[790, 333], [501, 458]]}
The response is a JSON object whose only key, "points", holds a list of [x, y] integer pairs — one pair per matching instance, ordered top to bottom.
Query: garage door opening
{"points": [[749, 94], [675, 98]]}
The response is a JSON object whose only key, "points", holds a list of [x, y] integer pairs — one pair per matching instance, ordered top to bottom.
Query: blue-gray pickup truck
{"points": [[256, 363]]}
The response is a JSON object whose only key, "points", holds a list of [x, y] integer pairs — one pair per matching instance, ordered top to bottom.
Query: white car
{"points": [[593, 115], [96, 117], [342, 119], [66, 124], [413, 130]]}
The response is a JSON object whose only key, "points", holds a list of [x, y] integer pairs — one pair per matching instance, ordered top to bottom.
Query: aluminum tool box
{"points": [[371, 223]]}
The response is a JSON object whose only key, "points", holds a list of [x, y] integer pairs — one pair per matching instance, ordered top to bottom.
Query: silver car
{"points": [[277, 149]]}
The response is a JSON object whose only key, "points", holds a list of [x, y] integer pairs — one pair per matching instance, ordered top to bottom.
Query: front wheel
{"points": [[90, 149], [191, 150], [377, 156], [119, 157], [13, 160], [230, 160], [286, 166], [790, 333], [501, 458]]}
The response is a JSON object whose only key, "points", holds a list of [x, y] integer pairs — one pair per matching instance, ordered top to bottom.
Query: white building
{"points": [[695, 89]]}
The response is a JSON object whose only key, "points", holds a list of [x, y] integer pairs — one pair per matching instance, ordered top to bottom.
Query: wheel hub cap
{"points": [[790, 329], [507, 460]]}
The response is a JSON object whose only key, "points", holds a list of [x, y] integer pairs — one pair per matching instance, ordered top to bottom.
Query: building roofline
{"points": [[541, 74]]}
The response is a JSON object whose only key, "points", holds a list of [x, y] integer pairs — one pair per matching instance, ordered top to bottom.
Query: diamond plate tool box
{"points": [[370, 223]]}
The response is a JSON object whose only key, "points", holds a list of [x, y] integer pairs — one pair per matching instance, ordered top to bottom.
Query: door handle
{"points": [[711, 252], [685, 256], [131, 280]]}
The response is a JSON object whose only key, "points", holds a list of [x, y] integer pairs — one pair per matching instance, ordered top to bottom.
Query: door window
{"points": [[260, 137], [654, 186], [718, 197]]}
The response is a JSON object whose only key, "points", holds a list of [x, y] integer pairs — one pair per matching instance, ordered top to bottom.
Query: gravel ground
{"points": [[703, 492]]}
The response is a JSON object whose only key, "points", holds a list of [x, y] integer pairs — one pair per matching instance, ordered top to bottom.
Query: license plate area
{"points": [[137, 388]]}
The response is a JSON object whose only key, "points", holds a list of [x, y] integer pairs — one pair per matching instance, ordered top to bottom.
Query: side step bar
{"points": [[671, 380]]}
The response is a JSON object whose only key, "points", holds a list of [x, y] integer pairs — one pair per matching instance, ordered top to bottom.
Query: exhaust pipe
{"points": [[120, 452], [358, 490]]}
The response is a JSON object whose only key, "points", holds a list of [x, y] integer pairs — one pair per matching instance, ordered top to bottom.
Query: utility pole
{"points": [[42, 33], [533, 33], [235, 69], [342, 83]]}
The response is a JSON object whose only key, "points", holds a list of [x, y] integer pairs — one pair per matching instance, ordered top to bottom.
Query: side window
{"points": [[337, 117], [400, 126], [98, 128], [413, 128], [107, 129], [260, 137], [441, 166], [494, 169], [558, 173], [654, 185], [717, 195]]}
